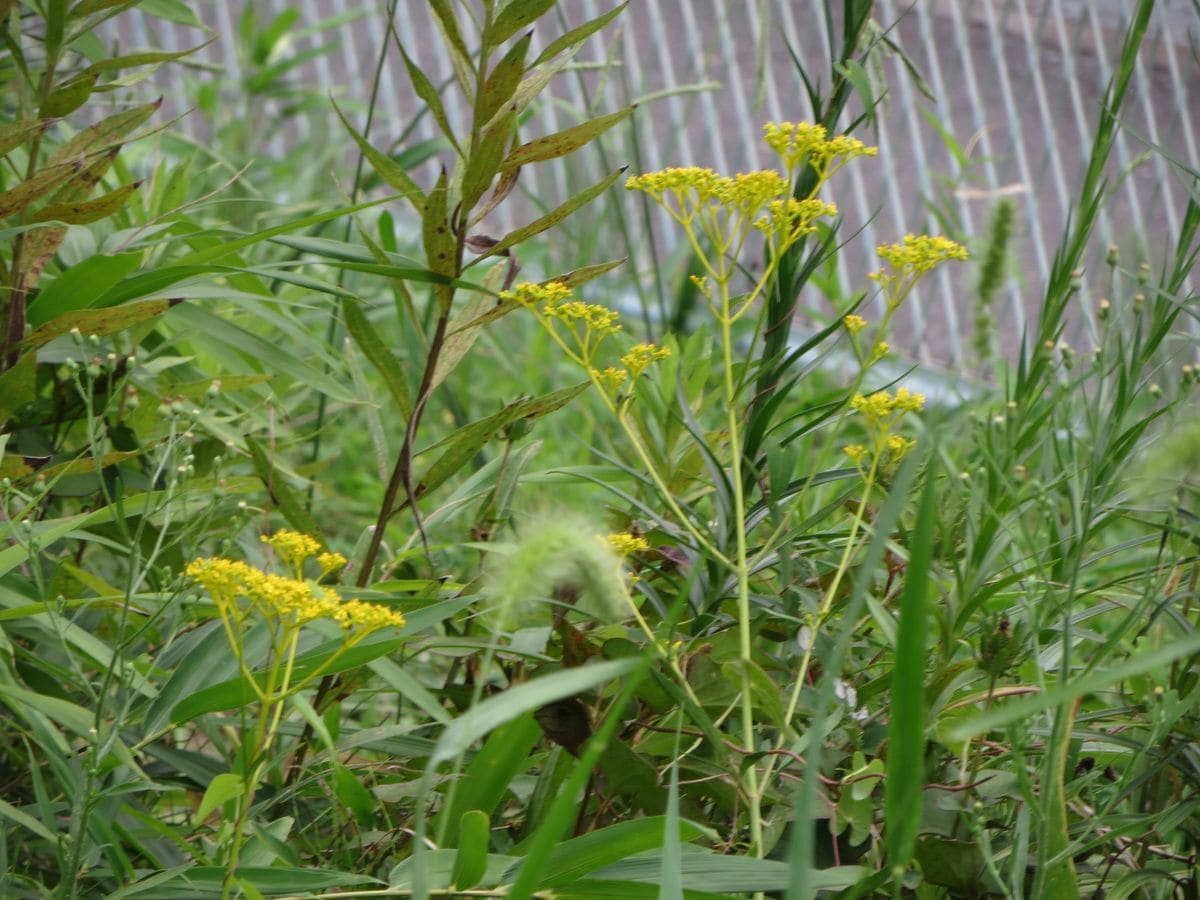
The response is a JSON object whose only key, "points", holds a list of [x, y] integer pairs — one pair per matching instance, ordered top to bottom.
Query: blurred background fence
{"points": [[980, 101]]}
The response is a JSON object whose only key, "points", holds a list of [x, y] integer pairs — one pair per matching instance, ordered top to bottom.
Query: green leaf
{"points": [[515, 16], [577, 36], [147, 58], [460, 58], [502, 83], [429, 95], [68, 96], [13, 134], [105, 135], [566, 141], [487, 156], [388, 169], [24, 194], [84, 212], [555, 216], [441, 246], [80, 286], [97, 321], [459, 336], [385, 362], [18, 386], [463, 444], [291, 505], [237, 692], [495, 711], [1000, 716], [906, 728], [504, 756], [225, 787], [352, 795], [17, 817], [579, 856], [470, 863], [735, 874], [206, 881]]}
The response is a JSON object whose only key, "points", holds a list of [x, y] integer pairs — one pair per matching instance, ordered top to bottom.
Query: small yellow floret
{"points": [[854, 324], [640, 356], [625, 543]]}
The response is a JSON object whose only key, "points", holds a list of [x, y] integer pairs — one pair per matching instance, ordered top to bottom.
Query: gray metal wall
{"points": [[1016, 83]]}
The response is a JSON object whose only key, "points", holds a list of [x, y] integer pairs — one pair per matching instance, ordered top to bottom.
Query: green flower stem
{"points": [[826, 606]]}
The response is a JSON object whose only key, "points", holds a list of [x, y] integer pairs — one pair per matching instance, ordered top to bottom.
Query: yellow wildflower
{"points": [[679, 180], [794, 218], [917, 254], [528, 294], [854, 324], [640, 356], [610, 377], [856, 452], [626, 544], [293, 548], [330, 562]]}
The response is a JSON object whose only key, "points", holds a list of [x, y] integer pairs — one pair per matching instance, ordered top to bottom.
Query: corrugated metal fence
{"points": [[1014, 88]]}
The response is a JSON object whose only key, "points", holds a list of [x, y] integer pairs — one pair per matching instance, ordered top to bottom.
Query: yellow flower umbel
{"points": [[909, 260], [579, 329], [881, 413], [285, 603]]}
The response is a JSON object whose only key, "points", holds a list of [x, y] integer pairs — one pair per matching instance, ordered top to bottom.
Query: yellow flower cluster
{"points": [[798, 141], [677, 180], [794, 218], [917, 254], [534, 295], [593, 316], [854, 324], [640, 357], [611, 378], [882, 407], [882, 412], [627, 544], [287, 599]]}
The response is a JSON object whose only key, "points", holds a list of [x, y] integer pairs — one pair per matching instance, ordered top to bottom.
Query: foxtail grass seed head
{"points": [[560, 559]]}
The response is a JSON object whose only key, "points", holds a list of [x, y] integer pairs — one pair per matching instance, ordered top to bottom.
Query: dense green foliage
{"points": [[338, 556]]}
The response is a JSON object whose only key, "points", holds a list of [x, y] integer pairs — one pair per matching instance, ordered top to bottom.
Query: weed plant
{"points": [[372, 565]]}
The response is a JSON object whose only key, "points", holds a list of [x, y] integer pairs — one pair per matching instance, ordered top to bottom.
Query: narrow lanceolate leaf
{"points": [[515, 16], [577, 36], [460, 58], [136, 60], [502, 83], [429, 95], [68, 96], [106, 133], [13, 134], [566, 141], [487, 157], [388, 169], [503, 187], [26, 193], [85, 212], [555, 216], [441, 246], [97, 321], [459, 340], [384, 361], [466, 442], [281, 492], [906, 730], [1056, 867]]}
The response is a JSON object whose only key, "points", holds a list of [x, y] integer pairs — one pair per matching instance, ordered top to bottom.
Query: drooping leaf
{"points": [[105, 134]]}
